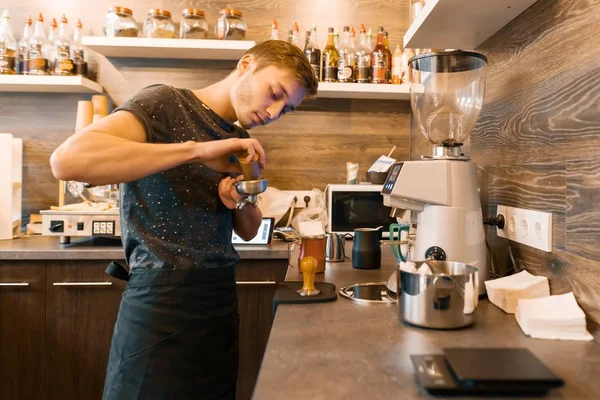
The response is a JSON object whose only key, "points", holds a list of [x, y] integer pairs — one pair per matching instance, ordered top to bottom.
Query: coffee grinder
{"points": [[441, 190]]}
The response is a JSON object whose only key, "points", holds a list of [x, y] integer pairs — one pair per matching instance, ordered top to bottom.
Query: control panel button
{"points": [[57, 226], [80, 226]]}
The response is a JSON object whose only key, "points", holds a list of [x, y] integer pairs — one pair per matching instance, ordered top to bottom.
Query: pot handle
{"points": [[397, 251]]}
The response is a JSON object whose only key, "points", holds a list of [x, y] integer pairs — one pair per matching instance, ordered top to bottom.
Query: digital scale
{"points": [[80, 223], [484, 371]]}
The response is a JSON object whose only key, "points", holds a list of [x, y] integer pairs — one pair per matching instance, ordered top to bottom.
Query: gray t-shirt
{"points": [[175, 219]]}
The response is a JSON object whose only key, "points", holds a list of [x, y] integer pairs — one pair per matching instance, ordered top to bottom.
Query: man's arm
{"points": [[115, 150], [246, 221]]}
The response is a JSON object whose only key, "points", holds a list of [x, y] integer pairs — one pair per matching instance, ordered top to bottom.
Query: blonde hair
{"points": [[285, 55]]}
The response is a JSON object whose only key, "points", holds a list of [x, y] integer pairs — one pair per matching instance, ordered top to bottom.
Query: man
{"points": [[176, 335]]}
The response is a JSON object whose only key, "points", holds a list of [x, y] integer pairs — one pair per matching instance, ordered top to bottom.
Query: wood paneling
{"points": [[328, 132], [537, 137], [22, 311], [256, 317], [79, 327]]}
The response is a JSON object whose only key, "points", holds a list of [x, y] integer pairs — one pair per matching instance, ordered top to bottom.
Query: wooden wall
{"points": [[537, 139], [306, 149]]}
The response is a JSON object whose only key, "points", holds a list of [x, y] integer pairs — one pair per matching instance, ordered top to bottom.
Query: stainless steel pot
{"points": [[445, 299]]}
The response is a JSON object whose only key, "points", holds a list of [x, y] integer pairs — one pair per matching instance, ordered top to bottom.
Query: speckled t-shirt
{"points": [[175, 219]]}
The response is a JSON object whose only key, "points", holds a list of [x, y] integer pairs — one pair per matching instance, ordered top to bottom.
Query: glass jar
{"points": [[119, 22], [158, 24], [193, 24], [230, 25]]}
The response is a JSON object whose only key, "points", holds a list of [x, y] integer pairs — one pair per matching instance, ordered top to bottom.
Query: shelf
{"points": [[461, 24], [198, 49], [48, 84], [334, 90]]}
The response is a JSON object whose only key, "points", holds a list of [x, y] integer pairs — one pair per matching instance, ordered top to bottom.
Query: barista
{"points": [[176, 335]]}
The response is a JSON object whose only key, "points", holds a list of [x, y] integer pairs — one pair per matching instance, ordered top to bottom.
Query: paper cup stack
{"points": [[505, 292], [552, 317]]}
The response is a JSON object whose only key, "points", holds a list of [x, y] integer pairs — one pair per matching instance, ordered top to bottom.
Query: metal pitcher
{"points": [[334, 249]]}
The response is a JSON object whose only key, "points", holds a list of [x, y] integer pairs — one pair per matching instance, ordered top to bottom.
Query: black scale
{"points": [[484, 371]]}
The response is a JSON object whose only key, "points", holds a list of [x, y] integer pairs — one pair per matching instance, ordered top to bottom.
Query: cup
{"points": [[351, 173]]}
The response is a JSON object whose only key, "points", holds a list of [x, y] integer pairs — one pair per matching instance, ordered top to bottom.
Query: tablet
{"points": [[263, 236]]}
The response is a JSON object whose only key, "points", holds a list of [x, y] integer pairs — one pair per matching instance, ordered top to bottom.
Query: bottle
{"points": [[275, 30], [52, 35], [290, 35], [296, 35], [306, 40], [336, 41], [370, 41], [386, 43], [23, 45], [8, 47], [37, 50], [77, 51], [313, 53], [407, 54], [363, 57], [330, 59], [379, 60], [347, 62], [63, 65], [397, 66]]}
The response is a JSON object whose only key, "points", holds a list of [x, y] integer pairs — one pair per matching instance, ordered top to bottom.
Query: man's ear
{"points": [[246, 63]]}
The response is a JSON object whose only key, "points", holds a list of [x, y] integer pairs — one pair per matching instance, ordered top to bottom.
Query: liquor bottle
{"points": [[275, 30], [52, 35], [296, 35], [306, 40], [386, 43], [23, 45], [8, 47], [37, 50], [78, 52], [313, 53], [363, 58], [330, 59], [379, 60], [347, 62], [63, 65], [397, 66]]}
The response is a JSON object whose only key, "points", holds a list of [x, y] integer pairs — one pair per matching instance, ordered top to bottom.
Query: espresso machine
{"points": [[441, 189]]}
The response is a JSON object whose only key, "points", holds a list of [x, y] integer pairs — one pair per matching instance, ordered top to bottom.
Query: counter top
{"points": [[97, 248], [348, 350]]}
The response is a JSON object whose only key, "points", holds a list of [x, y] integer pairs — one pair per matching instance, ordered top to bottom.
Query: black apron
{"points": [[176, 336]]}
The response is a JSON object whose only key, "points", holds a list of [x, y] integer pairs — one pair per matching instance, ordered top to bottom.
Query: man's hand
{"points": [[216, 153], [227, 192]]}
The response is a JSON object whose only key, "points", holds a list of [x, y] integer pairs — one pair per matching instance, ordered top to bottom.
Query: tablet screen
{"points": [[263, 236]]}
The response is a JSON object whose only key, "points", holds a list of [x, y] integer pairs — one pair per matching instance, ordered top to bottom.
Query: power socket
{"points": [[300, 197], [529, 227]]}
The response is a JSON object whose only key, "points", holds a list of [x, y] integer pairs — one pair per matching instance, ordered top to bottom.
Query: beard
{"points": [[243, 99]]}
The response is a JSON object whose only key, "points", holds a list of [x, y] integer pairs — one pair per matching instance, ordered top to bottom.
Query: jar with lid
{"points": [[119, 22], [158, 24], [193, 24], [230, 25]]}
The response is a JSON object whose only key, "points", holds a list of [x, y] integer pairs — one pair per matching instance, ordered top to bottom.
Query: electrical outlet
{"points": [[300, 195], [529, 227]]}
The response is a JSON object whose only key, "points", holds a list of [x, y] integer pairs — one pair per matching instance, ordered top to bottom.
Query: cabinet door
{"points": [[81, 310], [256, 316], [22, 329]]}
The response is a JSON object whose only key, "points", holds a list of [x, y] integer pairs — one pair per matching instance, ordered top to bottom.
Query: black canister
{"points": [[366, 249]]}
